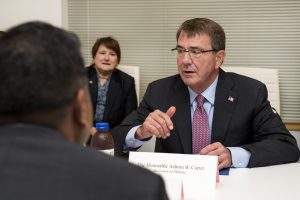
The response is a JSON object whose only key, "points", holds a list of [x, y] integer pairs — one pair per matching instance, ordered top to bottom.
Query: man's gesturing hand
{"points": [[157, 123]]}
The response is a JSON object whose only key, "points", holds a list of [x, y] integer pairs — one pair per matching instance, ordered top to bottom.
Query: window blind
{"points": [[260, 33]]}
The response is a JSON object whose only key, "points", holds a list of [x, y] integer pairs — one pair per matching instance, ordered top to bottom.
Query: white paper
{"points": [[186, 176]]}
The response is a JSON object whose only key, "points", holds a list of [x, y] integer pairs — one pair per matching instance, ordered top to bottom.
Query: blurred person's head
{"points": [[2, 33], [106, 54], [43, 80]]}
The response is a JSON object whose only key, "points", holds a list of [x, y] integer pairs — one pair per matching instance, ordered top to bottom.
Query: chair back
{"points": [[133, 71], [265, 75]]}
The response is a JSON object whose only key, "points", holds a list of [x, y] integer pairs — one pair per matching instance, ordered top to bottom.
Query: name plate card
{"points": [[186, 176]]}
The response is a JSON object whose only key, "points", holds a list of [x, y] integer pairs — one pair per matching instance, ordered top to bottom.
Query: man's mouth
{"points": [[188, 72]]}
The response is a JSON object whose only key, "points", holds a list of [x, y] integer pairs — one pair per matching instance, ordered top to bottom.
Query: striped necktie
{"points": [[200, 130]]}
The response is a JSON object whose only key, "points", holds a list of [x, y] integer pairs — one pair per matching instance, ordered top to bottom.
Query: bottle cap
{"points": [[103, 126]]}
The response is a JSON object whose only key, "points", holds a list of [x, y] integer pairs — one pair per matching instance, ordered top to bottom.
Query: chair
{"points": [[133, 71], [267, 76]]}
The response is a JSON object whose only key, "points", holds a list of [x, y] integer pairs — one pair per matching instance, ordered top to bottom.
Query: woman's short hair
{"points": [[108, 42]]}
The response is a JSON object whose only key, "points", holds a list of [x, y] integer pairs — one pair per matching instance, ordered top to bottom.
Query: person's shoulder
{"points": [[90, 69], [122, 75], [170, 80], [244, 80], [99, 161], [109, 167], [100, 173]]}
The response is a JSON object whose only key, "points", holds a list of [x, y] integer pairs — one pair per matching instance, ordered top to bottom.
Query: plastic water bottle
{"points": [[102, 139]]}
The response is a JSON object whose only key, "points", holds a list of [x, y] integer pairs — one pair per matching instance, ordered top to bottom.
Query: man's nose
{"points": [[187, 57]]}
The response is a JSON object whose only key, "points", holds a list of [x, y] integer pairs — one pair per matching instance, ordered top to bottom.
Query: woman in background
{"points": [[112, 91]]}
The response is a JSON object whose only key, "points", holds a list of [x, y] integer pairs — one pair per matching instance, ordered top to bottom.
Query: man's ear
{"points": [[220, 57], [83, 109], [81, 116]]}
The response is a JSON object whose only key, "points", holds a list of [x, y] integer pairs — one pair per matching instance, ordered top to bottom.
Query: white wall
{"points": [[13, 12]]}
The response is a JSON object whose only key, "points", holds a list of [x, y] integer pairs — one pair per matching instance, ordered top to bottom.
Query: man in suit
{"points": [[45, 117], [240, 126]]}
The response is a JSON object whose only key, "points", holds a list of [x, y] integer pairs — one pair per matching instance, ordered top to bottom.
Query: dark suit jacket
{"points": [[121, 96], [248, 121], [38, 163]]}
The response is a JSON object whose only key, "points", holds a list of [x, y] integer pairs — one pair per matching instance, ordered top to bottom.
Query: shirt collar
{"points": [[209, 93]]}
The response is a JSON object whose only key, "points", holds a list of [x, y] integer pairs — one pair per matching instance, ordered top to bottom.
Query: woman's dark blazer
{"points": [[121, 97]]}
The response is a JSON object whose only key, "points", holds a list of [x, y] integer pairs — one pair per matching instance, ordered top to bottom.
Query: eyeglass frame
{"points": [[196, 54]]}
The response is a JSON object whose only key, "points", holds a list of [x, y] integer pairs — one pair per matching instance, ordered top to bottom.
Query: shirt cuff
{"points": [[130, 141], [240, 157]]}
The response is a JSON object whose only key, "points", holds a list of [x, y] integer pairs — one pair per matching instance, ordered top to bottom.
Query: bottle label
{"points": [[110, 152]]}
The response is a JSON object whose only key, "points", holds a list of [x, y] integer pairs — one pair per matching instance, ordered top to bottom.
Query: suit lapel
{"points": [[93, 85], [112, 94], [225, 102], [182, 118]]}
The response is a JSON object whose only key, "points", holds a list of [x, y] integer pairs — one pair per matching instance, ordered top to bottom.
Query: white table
{"points": [[279, 182]]}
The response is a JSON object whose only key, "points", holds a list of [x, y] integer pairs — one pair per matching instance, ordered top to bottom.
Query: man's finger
{"points": [[171, 111]]}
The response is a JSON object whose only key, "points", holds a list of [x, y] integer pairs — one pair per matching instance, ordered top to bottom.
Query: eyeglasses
{"points": [[193, 52]]}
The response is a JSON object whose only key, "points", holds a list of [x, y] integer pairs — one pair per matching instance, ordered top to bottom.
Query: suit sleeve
{"points": [[131, 99], [136, 117], [273, 143]]}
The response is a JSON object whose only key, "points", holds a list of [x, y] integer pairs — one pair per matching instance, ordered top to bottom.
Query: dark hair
{"points": [[199, 26], [2, 33], [109, 43], [41, 68]]}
